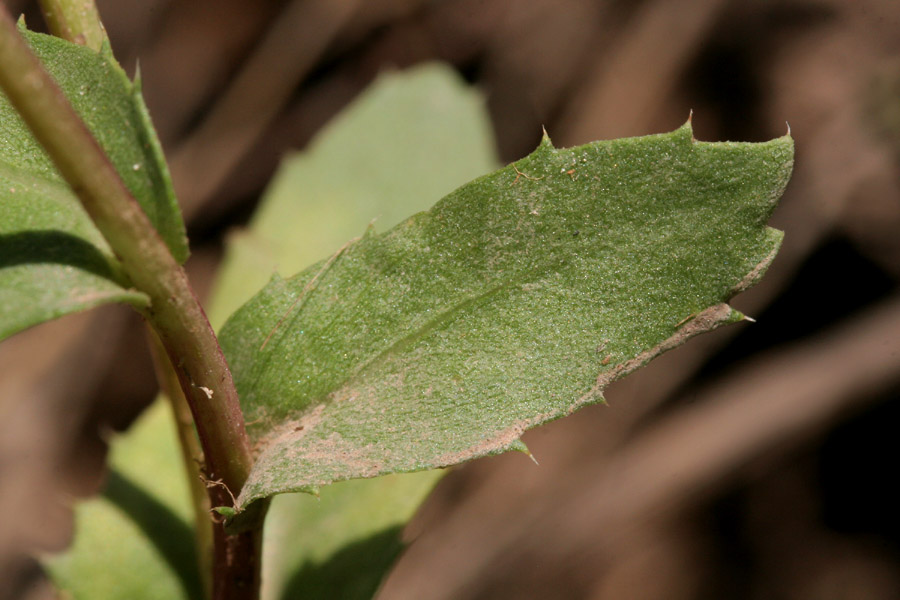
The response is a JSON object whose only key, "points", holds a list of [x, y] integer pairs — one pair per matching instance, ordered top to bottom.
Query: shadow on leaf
{"points": [[56, 247], [168, 534], [354, 573]]}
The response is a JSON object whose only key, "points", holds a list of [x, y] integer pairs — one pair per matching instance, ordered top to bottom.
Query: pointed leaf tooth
{"points": [[736, 316], [519, 446]]}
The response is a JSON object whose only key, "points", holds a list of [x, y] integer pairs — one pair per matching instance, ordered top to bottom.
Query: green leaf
{"points": [[54, 262], [512, 302], [340, 544]]}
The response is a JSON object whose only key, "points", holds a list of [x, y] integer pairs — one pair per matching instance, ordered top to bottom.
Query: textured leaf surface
{"points": [[52, 260], [512, 302]]}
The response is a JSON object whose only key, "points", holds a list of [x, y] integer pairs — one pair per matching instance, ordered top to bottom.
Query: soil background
{"points": [[753, 463]]}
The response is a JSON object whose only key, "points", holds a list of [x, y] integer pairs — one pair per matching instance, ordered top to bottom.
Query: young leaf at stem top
{"points": [[512, 302]]}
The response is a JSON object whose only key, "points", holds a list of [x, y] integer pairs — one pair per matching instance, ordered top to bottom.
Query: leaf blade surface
{"points": [[512, 302]]}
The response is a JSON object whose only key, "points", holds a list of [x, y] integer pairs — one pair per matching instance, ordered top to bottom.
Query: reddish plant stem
{"points": [[174, 312], [191, 457], [236, 558]]}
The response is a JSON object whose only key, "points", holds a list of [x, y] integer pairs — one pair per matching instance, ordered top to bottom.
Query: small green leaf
{"points": [[114, 110], [52, 259], [512, 302]]}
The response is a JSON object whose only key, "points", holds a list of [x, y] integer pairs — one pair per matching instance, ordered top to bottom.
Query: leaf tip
{"points": [[106, 50], [224, 515]]}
